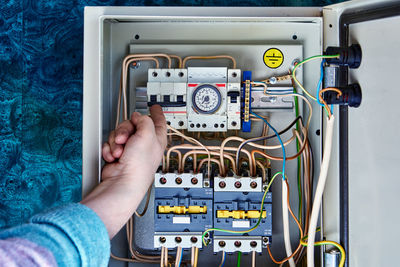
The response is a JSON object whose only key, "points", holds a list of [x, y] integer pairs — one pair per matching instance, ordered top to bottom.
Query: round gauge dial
{"points": [[206, 99]]}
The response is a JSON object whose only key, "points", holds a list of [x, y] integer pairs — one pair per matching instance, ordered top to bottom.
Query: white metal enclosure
{"points": [[372, 178]]}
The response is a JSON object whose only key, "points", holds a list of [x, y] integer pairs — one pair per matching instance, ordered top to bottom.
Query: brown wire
{"points": [[210, 57], [178, 58], [321, 99], [253, 152], [213, 160], [306, 197], [146, 206], [298, 225], [135, 254]]}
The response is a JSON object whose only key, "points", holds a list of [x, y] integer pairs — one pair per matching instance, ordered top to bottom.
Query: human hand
{"points": [[138, 145]]}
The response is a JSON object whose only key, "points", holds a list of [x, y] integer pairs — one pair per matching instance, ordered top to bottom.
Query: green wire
{"points": [[305, 61], [296, 104], [300, 209], [259, 218], [306, 236], [239, 258]]}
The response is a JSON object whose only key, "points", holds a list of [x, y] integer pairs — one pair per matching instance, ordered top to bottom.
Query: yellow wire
{"points": [[305, 61], [333, 243], [196, 256]]}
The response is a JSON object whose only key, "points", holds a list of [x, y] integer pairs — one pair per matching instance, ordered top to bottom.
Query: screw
{"points": [[294, 63], [135, 65], [154, 74], [168, 74], [180, 74], [234, 74], [180, 123], [234, 123], [191, 125], [198, 125], [204, 125], [216, 125], [163, 180], [178, 180], [194, 180], [206, 184], [222, 184], [238, 184], [253, 184], [206, 235], [162, 239], [178, 239], [193, 239], [265, 239], [221, 244], [238, 244], [253, 244]]}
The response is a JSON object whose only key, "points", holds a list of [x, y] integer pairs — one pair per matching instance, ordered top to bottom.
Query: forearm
{"points": [[116, 199], [72, 235]]}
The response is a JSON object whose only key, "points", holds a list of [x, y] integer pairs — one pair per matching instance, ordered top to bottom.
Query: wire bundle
{"points": [[185, 151]]}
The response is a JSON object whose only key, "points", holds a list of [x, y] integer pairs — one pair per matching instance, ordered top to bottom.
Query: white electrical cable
{"points": [[319, 191], [285, 219]]}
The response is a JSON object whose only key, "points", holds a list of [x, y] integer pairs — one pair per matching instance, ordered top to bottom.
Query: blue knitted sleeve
{"points": [[74, 234]]}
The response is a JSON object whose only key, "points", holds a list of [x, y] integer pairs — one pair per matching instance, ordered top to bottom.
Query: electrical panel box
{"points": [[213, 70]]}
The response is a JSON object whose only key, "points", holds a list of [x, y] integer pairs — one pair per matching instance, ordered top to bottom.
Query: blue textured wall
{"points": [[41, 54]]}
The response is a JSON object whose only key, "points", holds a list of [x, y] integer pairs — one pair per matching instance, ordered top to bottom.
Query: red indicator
{"points": [[174, 111]]}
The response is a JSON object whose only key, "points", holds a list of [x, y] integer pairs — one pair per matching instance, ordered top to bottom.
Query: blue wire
{"points": [[321, 78], [280, 141], [224, 255], [180, 260]]}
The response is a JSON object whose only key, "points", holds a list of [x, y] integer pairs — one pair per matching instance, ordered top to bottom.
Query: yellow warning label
{"points": [[273, 58]]}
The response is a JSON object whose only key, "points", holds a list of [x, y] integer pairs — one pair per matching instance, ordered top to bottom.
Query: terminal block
{"points": [[246, 104], [178, 180], [238, 184], [183, 211], [240, 211], [173, 240], [243, 244]]}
